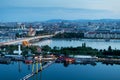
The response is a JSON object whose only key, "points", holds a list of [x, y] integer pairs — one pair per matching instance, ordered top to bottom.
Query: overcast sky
{"points": [[41, 10]]}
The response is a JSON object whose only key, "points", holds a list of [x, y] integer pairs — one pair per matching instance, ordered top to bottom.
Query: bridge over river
{"points": [[17, 41], [38, 70]]}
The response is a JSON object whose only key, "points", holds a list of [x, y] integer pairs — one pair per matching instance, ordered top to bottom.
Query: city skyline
{"points": [[39, 10]]}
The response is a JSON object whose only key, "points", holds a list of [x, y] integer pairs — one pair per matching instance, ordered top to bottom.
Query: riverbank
{"points": [[79, 35], [80, 50], [109, 60]]}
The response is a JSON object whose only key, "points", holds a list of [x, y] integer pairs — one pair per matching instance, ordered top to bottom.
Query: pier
{"points": [[33, 73]]}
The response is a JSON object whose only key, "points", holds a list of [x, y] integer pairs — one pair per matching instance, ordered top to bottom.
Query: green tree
{"points": [[46, 48], [109, 49]]}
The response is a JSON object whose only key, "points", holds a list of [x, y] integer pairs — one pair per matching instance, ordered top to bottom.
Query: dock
{"points": [[33, 73]]}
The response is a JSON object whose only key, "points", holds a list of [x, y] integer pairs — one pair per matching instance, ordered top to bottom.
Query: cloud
{"points": [[63, 9]]}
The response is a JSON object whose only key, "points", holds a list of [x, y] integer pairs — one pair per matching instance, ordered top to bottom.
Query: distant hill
{"points": [[84, 20]]}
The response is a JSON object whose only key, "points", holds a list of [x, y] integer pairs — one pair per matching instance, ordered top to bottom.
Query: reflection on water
{"points": [[66, 64], [19, 66], [14, 70], [63, 71], [85, 71], [37, 76]]}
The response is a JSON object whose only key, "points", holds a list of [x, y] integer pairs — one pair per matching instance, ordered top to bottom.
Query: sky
{"points": [[42, 10]]}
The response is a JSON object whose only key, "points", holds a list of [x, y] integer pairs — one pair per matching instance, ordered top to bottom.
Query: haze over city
{"points": [[41, 10]]}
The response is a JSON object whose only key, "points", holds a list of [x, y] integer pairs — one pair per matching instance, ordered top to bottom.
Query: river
{"points": [[94, 43], [14, 70], [60, 71]]}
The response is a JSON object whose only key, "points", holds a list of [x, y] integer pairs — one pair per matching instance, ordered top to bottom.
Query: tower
{"points": [[19, 50]]}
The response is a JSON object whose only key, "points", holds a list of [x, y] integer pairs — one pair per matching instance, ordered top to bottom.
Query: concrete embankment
{"points": [[108, 60]]}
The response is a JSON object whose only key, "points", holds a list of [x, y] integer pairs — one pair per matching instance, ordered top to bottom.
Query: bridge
{"points": [[24, 39], [33, 73]]}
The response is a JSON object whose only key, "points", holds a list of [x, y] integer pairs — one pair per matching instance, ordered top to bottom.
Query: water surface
{"points": [[94, 43], [14, 71], [59, 71]]}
